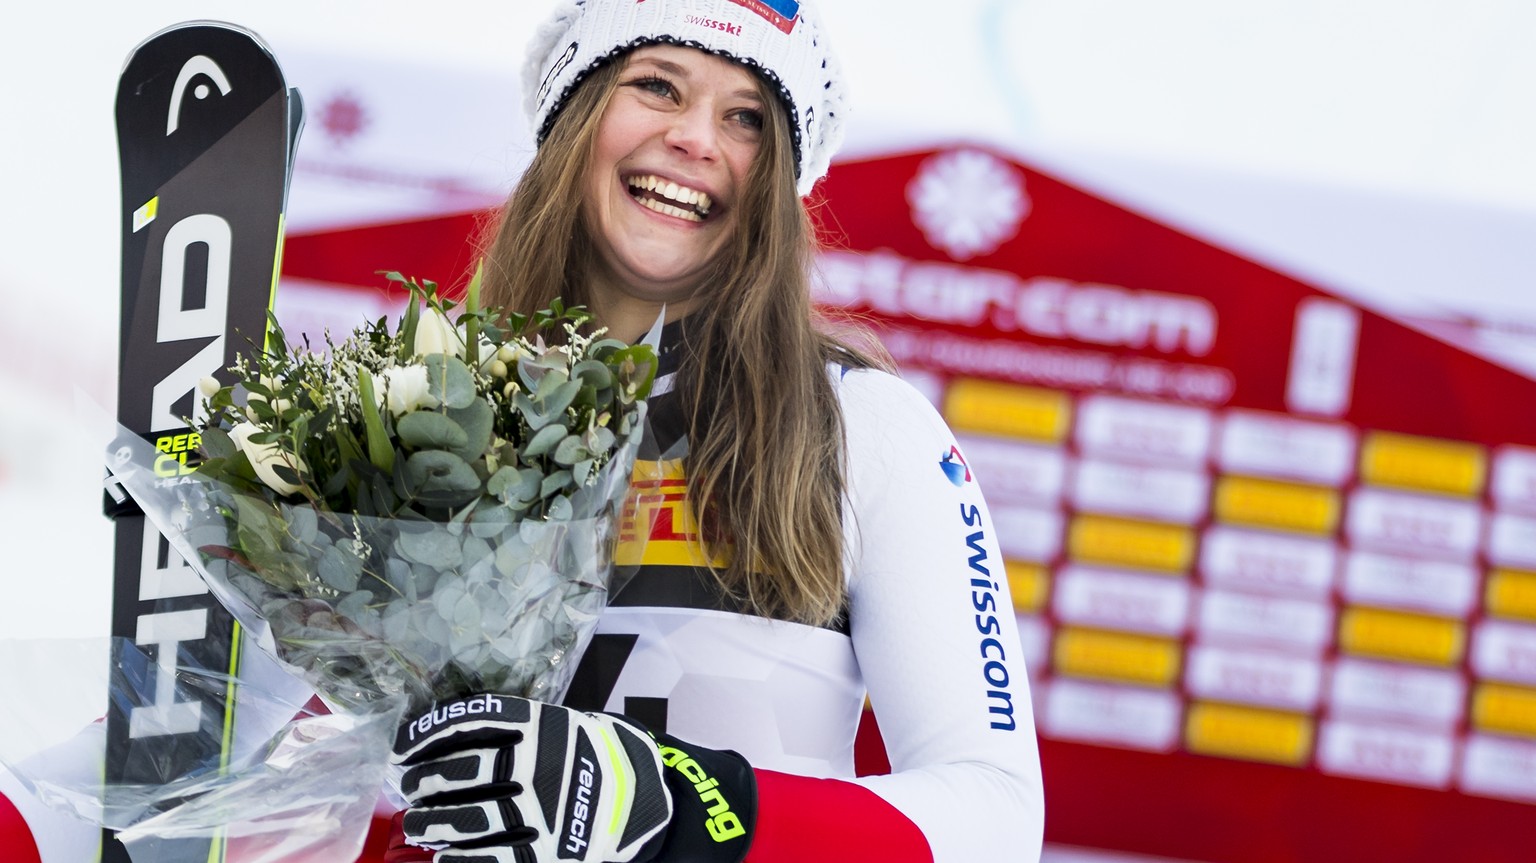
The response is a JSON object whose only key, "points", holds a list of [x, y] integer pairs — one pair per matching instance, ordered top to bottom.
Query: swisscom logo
{"points": [[954, 467]]}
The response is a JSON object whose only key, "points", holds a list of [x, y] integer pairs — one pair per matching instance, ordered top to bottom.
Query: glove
{"points": [[501, 779]]}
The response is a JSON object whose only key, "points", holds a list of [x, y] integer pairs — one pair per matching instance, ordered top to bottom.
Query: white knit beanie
{"points": [[782, 40]]}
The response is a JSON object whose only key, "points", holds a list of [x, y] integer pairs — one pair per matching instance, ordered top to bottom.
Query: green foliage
{"points": [[369, 498]]}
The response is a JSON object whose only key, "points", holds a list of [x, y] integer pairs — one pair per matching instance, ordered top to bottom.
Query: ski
{"points": [[206, 130]]}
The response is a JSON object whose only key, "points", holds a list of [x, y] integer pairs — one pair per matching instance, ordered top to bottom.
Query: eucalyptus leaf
{"points": [[593, 373], [449, 380], [560, 397], [536, 418], [478, 420], [430, 429], [547, 438], [217, 443], [570, 451], [435, 470], [502, 482], [554, 482], [560, 509], [491, 520], [303, 523], [431, 547], [339, 569], [397, 574], [424, 581], [449, 588], [355, 605], [397, 620]]}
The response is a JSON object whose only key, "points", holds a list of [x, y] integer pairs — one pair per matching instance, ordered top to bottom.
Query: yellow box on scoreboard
{"points": [[995, 408], [1427, 464], [1284, 505], [1125, 542], [1028, 583], [1511, 594], [1400, 635], [1117, 656], [1505, 709], [1249, 733]]}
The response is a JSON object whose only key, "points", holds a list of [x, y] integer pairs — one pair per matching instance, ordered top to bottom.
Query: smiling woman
{"points": [[802, 531]]}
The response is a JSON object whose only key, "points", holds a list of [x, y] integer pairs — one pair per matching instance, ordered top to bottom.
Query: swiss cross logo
{"points": [[783, 14], [954, 467]]}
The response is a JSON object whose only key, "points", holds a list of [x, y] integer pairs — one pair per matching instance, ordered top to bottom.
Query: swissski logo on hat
{"points": [[780, 13]]}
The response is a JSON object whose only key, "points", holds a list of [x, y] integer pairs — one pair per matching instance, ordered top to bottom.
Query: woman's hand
{"points": [[501, 779]]}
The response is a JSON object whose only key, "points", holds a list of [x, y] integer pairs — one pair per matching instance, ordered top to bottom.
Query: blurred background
{"points": [[1233, 304]]}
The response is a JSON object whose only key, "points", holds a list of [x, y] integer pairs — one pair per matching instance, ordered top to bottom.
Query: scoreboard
{"points": [[1273, 554]]}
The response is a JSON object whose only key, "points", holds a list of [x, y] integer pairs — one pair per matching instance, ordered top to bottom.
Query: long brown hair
{"points": [[766, 469]]}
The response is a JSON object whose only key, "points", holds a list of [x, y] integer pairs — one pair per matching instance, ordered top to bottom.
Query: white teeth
{"points": [[700, 201], [668, 209]]}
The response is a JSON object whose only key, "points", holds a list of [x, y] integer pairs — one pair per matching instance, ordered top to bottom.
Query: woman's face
{"points": [[671, 156]]}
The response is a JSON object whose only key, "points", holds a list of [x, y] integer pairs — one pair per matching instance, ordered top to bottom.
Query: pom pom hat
{"points": [[781, 40]]}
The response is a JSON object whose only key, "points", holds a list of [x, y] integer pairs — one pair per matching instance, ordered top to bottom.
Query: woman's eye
{"points": [[657, 86], [750, 119]]}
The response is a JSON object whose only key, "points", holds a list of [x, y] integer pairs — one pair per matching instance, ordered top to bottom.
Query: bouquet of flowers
{"points": [[425, 511], [413, 513]]}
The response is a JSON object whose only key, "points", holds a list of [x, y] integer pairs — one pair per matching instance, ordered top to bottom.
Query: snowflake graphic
{"points": [[343, 118], [967, 202]]}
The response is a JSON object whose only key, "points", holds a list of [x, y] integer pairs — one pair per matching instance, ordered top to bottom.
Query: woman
{"points": [[804, 527]]}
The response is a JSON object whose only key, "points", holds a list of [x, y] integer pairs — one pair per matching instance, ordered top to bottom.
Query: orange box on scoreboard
{"points": [[1010, 410], [1425, 464], [1284, 505], [1127, 542], [1029, 583], [1511, 594], [1401, 635], [1117, 656], [1249, 733]]}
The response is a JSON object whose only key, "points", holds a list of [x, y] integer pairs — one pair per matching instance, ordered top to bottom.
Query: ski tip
{"points": [[201, 22]]}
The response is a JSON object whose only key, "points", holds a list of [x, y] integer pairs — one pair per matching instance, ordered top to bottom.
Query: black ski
{"points": [[206, 130]]}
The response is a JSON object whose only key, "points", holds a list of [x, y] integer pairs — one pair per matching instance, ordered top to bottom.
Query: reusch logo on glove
{"points": [[476, 707], [584, 784]]}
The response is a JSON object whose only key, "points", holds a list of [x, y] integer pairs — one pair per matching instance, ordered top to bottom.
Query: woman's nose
{"points": [[694, 133]]}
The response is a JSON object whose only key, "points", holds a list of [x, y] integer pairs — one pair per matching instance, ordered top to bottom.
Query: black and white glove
{"points": [[501, 779]]}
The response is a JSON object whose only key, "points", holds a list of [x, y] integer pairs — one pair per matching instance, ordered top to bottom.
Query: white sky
{"points": [[1290, 129]]}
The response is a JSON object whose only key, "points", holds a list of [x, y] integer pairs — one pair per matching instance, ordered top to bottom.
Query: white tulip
{"points": [[435, 334], [485, 356], [208, 386], [405, 389], [264, 456]]}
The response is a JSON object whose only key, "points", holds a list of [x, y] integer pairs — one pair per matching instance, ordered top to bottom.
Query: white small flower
{"points": [[435, 334], [208, 386], [405, 389], [264, 456]]}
